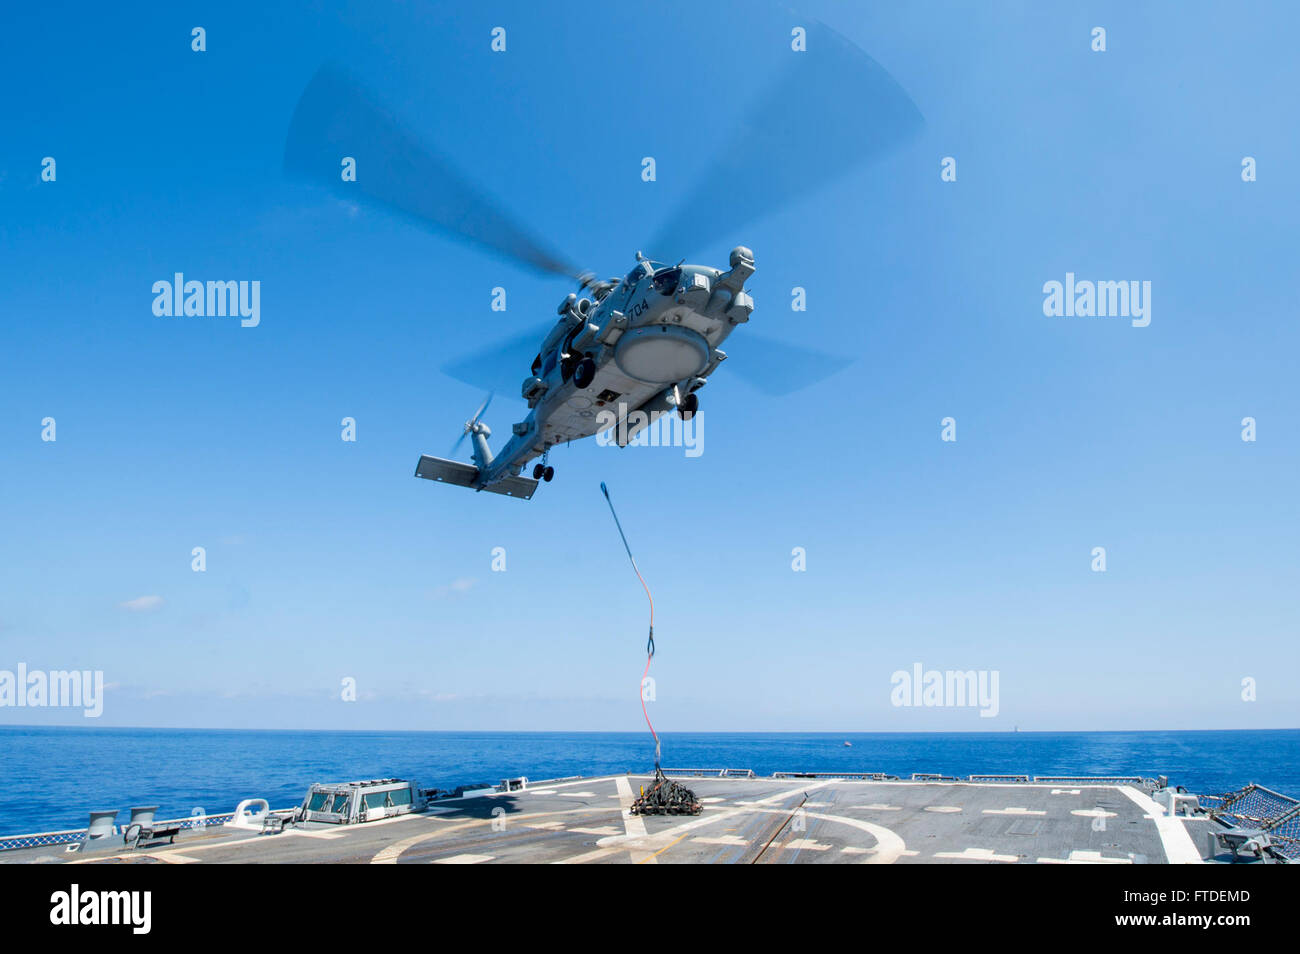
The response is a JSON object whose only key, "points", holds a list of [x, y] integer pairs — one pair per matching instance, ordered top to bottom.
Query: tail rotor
{"points": [[473, 425]]}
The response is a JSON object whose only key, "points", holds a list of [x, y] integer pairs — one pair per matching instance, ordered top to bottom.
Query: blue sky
{"points": [[328, 559]]}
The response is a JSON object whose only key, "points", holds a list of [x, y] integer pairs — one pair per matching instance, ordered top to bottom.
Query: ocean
{"points": [[53, 777]]}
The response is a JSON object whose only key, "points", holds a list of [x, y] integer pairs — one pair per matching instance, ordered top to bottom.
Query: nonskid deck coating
{"points": [[762, 820]]}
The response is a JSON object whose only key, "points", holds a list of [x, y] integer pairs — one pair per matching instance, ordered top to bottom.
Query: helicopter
{"points": [[646, 342]]}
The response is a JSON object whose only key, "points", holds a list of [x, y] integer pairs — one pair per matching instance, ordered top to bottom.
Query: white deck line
{"points": [[634, 825], [666, 838], [1178, 845], [390, 854], [977, 854], [463, 860]]}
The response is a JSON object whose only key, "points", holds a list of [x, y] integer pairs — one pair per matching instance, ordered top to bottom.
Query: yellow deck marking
{"points": [[618, 843], [663, 849], [389, 855]]}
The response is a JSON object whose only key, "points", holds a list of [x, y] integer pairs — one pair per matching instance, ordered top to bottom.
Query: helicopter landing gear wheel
{"points": [[566, 367], [584, 373], [690, 404], [540, 470]]}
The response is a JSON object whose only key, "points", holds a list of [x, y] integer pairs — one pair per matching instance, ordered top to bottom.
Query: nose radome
{"points": [[741, 254]]}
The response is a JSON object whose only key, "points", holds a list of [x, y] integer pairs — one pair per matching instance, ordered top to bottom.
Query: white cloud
{"points": [[454, 588], [142, 604]]}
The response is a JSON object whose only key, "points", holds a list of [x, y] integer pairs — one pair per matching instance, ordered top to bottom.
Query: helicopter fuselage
{"points": [[649, 342], [646, 343]]}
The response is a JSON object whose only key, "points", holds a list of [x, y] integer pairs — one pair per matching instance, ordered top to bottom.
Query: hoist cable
{"points": [[650, 642]]}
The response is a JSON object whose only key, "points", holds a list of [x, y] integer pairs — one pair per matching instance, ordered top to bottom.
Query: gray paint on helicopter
{"points": [[651, 347]]}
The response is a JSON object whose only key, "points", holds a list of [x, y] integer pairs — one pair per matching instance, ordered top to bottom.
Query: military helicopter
{"points": [[647, 342]]}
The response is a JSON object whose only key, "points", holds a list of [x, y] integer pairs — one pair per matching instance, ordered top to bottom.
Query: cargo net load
{"points": [[666, 797]]}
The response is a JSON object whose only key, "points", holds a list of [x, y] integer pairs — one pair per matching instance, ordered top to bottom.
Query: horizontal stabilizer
{"points": [[464, 475], [514, 487]]}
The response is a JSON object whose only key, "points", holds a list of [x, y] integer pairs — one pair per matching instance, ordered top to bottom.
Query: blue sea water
{"points": [[53, 777]]}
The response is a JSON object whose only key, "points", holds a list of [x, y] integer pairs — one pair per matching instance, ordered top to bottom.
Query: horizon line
{"points": [[756, 732]]}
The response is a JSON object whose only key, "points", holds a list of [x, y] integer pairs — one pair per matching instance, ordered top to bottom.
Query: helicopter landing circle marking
{"points": [[888, 848], [390, 854]]}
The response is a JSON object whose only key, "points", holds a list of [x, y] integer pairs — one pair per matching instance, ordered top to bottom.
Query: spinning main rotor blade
{"points": [[830, 109], [336, 117], [502, 366], [775, 367]]}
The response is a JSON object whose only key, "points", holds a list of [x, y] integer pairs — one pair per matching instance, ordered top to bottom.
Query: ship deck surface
{"points": [[745, 820]]}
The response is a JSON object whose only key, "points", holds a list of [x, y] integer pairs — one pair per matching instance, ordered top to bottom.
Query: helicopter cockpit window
{"points": [[635, 275], [665, 280]]}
